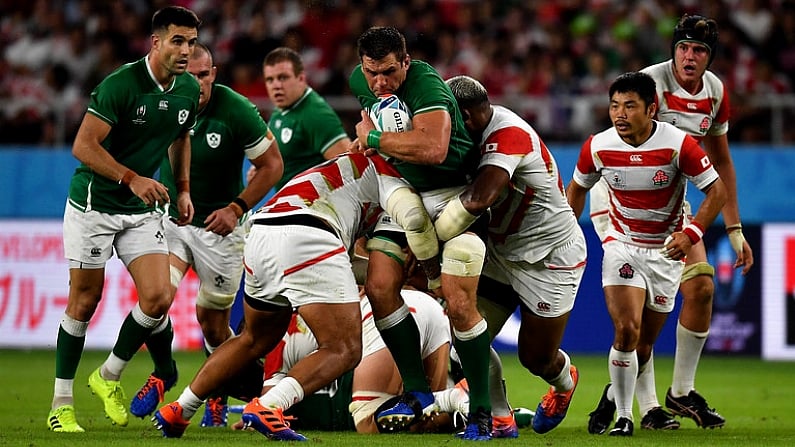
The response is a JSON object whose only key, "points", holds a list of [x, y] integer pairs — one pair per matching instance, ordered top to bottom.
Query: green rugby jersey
{"points": [[425, 91], [144, 120], [227, 126], [305, 131]]}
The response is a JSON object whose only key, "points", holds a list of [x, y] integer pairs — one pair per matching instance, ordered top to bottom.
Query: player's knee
{"points": [[463, 255], [697, 284], [214, 300], [627, 335]]}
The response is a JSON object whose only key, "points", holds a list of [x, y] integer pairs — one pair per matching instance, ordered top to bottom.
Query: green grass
{"points": [[756, 397]]}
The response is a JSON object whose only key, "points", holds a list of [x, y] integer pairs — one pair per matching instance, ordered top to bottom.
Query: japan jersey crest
{"points": [[182, 116], [287, 134], [213, 139]]}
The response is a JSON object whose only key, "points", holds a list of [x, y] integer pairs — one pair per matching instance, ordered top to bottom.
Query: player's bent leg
{"points": [[539, 342]]}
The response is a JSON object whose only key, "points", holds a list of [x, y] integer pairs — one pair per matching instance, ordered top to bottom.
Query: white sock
{"points": [[689, 345], [113, 367], [623, 367], [563, 382], [645, 390], [62, 393], [284, 395], [497, 395], [452, 400], [190, 403]]}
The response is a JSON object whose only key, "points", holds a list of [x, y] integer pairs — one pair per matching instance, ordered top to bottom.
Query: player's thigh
{"points": [[143, 234], [88, 236], [218, 262], [336, 326]]}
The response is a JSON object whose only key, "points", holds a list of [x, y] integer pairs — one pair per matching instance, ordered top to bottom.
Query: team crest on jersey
{"points": [[140, 112], [182, 116], [705, 125], [287, 134], [213, 139], [660, 178]]}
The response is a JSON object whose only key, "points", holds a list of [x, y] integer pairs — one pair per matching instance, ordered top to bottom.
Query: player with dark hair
{"points": [[695, 100], [298, 111], [136, 116], [229, 128], [436, 156], [645, 165], [535, 249]]}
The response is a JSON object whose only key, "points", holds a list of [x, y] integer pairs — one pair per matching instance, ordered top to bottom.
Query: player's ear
{"points": [[465, 114]]}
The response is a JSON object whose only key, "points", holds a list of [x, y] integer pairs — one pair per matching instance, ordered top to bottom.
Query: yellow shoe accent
{"points": [[112, 395], [62, 419]]}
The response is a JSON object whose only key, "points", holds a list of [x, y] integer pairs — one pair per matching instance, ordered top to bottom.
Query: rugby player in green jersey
{"points": [[138, 114], [229, 128], [307, 129], [436, 156]]}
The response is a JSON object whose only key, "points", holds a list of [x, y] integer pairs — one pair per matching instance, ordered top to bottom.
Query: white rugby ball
{"points": [[390, 114]]}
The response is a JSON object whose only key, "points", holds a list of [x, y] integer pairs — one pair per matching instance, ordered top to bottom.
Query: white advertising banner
{"points": [[34, 287], [778, 292]]}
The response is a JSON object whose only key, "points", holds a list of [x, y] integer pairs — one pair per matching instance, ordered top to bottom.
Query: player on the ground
{"points": [[695, 100], [136, 116], [229, 129], [436, 156], [645, 164], [535, 249], [296, 256]]}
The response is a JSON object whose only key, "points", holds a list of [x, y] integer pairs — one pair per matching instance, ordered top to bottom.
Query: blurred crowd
{"points": [[551, 59]]}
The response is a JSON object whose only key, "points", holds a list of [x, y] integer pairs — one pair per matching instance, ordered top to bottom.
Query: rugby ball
{"points": [[390, 114]]}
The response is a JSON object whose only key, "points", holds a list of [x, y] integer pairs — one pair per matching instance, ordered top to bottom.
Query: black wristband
{"points": [[242, 204]]}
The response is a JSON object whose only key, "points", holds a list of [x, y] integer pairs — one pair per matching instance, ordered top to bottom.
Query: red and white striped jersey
{"points": [[702, 114], [646, 184], [348, 192], [532, 216]]}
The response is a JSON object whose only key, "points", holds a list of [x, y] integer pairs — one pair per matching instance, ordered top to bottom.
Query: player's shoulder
{"points": [[125, 76], [713, 82], [227, 96], [669, 135]]}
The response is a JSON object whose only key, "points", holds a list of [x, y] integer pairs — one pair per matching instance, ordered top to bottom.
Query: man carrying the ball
{"points": [[436, 156], [646, 165]]}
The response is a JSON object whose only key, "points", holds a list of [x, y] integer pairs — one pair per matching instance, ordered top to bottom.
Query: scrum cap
{"points": [[698, 29]]}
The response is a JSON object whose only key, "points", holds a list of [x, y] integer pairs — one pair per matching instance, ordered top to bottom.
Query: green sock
{"points": [[131, 337], [403, 341], [159, 346], [68, 350], [474, 356]]}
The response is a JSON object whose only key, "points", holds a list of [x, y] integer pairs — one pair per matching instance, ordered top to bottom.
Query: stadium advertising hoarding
{"points": [[34, 285], [34, 289], [778, 296]]}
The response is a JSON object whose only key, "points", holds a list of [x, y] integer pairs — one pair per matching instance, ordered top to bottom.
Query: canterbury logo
{"points": [[636, 158], [620, 363]]}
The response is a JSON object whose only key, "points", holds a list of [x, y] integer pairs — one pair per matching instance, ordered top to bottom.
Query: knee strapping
{"points": [[387, 247], [463, 255], [697, 269], [214, 300]]}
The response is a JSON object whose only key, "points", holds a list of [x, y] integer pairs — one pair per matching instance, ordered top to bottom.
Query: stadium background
{"points": [[549, 60]]}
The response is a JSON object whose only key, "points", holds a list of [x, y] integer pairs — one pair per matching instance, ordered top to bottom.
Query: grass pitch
{"points": [[756, 397]]}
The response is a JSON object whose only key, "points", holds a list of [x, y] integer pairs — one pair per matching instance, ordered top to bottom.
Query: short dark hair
{"points": [[174, 15], [697, 29], [380, 41], [285, 54], [635, 81], [468, 92]]}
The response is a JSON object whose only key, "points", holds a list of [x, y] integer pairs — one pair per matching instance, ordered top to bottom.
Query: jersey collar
{"points": [[154, 79], [297, 103]]}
